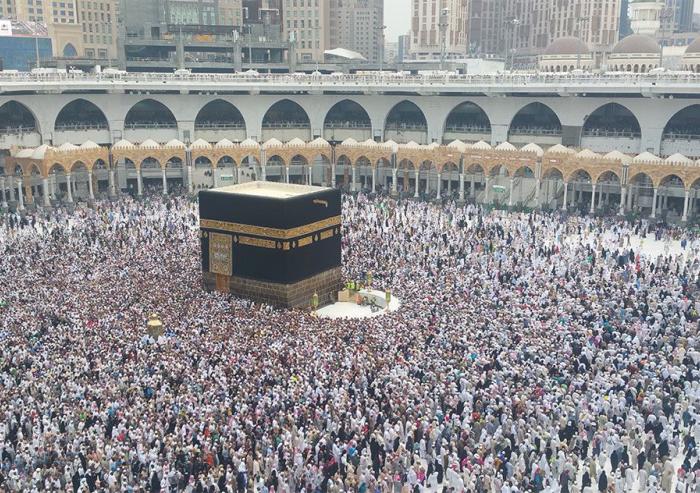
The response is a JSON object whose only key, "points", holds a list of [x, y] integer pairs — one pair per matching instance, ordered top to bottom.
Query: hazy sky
{"points": [[397, 17]]}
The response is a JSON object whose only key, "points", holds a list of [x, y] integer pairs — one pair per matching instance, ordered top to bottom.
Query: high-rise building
{"points": [[646, 16], [677, 16], [60, 18], [98, 19], [436, 21], [306, 22], [357, 26], [505, 27], [625, 28]]}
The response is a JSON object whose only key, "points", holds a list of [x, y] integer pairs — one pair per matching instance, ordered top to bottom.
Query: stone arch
{"points": [[69, 51], [286, 112], [149, 113], [81, 114], [347, 114], [219, 115], [15, 116], [467, 118], [535, 119], [611, 119], [405, 122], [685, 122], [150, 162], [202, 162], [79, 166], [498, 169], [552, 172], [576, 175], [605, 175], [641, 176], [671, 178]]}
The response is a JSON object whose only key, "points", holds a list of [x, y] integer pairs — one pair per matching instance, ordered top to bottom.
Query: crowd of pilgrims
{"points": [[532, 352]]}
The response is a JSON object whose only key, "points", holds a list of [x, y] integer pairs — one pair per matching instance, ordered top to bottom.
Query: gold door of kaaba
{"points": [[221, 253]]}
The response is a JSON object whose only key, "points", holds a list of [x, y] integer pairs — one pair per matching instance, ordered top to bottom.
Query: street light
{"points": [[665, 14], [579, 20], [515, 23], [443, 36], [381, 47]]}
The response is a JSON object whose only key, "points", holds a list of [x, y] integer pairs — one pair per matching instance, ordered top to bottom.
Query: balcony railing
{"points": [[374, 79], [348, 124], [137, 125], [267, 125], [219, 126], [68, 127], [468, 129], [17, 130], [535, 131], [611, 132]]}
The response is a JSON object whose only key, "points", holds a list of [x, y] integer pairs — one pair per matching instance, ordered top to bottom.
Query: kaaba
{"points": [[275, 243]]}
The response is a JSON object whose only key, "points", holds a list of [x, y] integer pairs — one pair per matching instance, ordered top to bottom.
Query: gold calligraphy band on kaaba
{"points": [[276, 233]]}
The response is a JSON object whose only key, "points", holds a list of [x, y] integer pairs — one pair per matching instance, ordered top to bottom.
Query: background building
{"points": [[677, 16], [98, 20], [306, 23], [357, 25], [520, 29], [426, 30], [21, 42]]}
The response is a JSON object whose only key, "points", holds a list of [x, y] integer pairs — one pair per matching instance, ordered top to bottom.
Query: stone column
{"points": [[263, 172], [239, 174], [286, 174], [215, 176], [309, 177], [354, 178], [374, 179], [165, 180], [139, 182], [417, 183], [439, 184], [449, 184], [190, 185], [394, 185], [90, 186], [472, 186], [11, 187], [68, 187], [461, 187], [538, 187], [486, 189], [2, 190], [28, 190], [112, 190], [45, 191], [623, 191], [566, 193], [20, 194], [600, 196], [630, 196], [510, 197], [593, 200], [653, 203], [685, 206]]}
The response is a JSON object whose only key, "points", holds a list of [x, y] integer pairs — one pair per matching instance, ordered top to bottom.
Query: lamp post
{"points": [[665, 14], [579, 21], [515, 23], [443, 36], [381, 47]]}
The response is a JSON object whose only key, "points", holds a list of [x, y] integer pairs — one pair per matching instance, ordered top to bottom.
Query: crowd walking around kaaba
{"points": [[532, 352]]}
